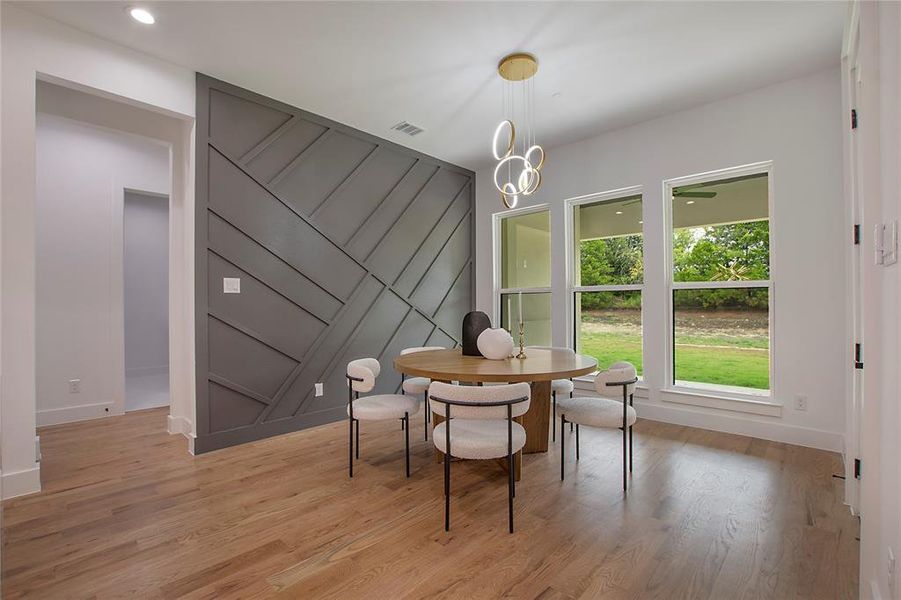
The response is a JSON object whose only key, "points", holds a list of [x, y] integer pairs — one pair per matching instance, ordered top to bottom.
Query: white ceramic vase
{"points": [[495, 344]]}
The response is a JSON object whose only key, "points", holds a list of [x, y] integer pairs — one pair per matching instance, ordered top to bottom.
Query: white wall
{"points": [[33, 47], [797, 125], [82, 173], [146, 283]]}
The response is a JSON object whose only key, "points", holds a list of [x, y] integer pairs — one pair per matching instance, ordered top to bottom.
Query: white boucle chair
{"points": [[361, 375], [419, 385], [561, 386], [604, 411], [478, 424]]}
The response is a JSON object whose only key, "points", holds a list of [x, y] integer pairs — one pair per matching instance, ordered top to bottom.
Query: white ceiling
{"points": [[372, 64]]}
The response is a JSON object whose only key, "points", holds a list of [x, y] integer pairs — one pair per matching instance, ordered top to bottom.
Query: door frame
{"points": [[850, 72], [117, 279]]}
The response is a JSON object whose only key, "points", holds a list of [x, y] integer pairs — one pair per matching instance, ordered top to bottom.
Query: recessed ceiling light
{"points": [[142, 15], [556, 95], [690, 202], [619, 212], [640, 222]]}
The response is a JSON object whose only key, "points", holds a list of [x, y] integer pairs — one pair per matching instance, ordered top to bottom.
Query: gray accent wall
{"points": [[346, 245]]}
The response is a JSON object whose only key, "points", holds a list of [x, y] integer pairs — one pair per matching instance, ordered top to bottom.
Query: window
{"points": [[607, 268], [524, 271], [721, 292]]}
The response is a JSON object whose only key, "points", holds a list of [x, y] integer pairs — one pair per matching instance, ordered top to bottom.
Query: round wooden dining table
{"points": [[539, 368]]}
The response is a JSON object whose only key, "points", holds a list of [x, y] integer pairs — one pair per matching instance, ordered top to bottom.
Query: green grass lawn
{"points": [[718, 359]]}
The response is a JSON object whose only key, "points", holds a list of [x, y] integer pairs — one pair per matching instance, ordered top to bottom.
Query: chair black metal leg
{"points": [[631, 403], [425, 417], [554, 418], [357, 427], [625, 435], [407, 440], [577, 441], [562, 445], [350, 446], [630, 448], [447, 461], [511, 490], [446, 491]]}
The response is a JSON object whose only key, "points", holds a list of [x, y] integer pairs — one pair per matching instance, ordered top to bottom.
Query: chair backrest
{"points": [[420, 349], [365, 370], [618, 371], [471, 394]]}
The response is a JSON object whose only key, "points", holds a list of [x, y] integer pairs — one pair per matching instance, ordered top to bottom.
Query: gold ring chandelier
{"points": [[517, 174]]}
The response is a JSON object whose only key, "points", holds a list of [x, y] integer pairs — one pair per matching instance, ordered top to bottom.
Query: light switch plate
{"points": [[891, 251], [231, 285], [318, 388]]}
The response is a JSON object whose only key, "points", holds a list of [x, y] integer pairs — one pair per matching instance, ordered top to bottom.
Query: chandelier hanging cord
{"points": [[517, 69]]}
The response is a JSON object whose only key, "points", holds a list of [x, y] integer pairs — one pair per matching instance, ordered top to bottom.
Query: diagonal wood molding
{"points": [[347, 245]]}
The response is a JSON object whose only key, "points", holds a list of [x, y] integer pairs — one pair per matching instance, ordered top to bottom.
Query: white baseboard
{"points": [[139, 371], [69, 414], [180, 425], [183, 426], [774, 431], [22, 483]]}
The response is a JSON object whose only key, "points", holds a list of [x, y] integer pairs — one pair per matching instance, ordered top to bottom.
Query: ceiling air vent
{"points": [[408, 128]]}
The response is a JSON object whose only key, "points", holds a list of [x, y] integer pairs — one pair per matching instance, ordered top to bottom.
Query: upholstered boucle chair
{"points": [[361, 376], [419, 385], [604, 411], [479, 425]]}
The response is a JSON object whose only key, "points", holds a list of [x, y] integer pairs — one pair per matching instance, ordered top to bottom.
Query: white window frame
{"points": [[570, 205], [497, 252], [702, 394]]}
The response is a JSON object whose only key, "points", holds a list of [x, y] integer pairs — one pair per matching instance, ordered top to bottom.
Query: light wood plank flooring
{"points": [[126, 512]]}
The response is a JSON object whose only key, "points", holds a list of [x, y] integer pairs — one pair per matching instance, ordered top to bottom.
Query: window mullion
{"points": [[720, 285], [631, 287]]}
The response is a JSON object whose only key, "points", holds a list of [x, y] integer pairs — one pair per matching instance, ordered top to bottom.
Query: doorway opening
{"points": [[145, 249], [113, 259]]}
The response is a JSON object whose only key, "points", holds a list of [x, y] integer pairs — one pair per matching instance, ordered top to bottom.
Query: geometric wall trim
{"points": [[346, 245]]}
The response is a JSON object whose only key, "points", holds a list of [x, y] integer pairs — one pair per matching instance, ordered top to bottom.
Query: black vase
{"points": [[474, 324]]}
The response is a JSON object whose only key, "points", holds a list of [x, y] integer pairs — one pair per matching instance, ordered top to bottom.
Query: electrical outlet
{"points": [[75, 386], [318, 388], [800, 402]]}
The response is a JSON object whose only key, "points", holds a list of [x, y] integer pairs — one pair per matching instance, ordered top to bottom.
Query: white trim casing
{"points": [[570, 205], [496, 275], [683, 394]]}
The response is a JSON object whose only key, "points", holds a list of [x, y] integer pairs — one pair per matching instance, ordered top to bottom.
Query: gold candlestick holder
{"points": [[522, 353]]}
